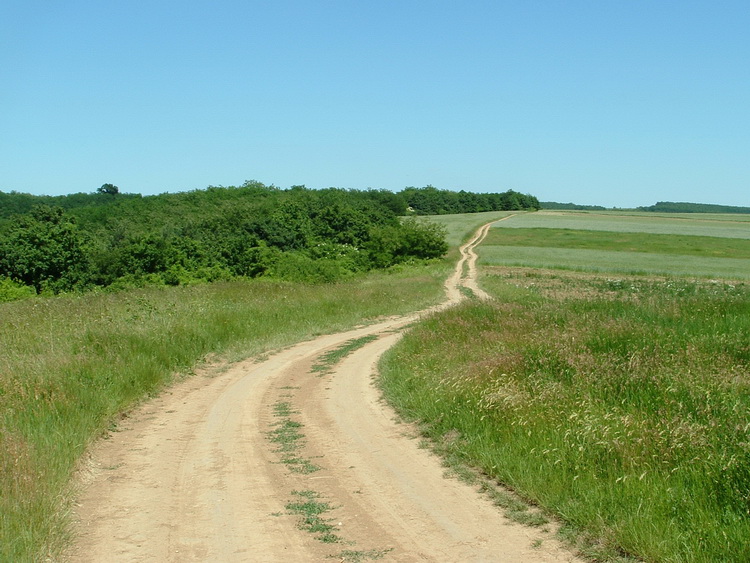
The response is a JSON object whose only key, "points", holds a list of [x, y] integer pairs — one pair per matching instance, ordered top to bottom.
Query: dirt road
{"points": [[226, 465]]}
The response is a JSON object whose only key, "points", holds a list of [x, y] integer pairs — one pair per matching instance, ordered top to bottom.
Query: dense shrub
{"points": [[11, 291]]}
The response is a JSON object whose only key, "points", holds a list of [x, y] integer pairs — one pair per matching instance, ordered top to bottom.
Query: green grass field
{"points": [[731, 226], [460, 227], [622, 244], [682, 245], [71, 364], [618, 402]]}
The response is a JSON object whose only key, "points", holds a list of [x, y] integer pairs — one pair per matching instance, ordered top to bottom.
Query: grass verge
{"points": [[71, 364], [621, 405]]}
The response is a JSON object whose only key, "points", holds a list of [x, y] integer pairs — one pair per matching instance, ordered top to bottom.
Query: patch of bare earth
{"points": [[199, 475]]}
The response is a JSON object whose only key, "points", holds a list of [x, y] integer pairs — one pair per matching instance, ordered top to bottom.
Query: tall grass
{"points": [[70, 364], [621, 405]]}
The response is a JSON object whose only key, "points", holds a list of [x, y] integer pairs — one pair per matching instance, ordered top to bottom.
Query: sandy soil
{"points": [[194, 476]]}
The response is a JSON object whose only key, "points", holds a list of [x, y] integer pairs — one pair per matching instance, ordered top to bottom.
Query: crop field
{"points": [[731, 226], [624, 244], [618, 402]]}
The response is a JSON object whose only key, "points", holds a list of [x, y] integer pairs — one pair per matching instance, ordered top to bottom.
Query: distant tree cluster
{"points": [[109, 189], [418, 201], [433, 201], [16, 203], [571, 206], [682, 207], [218, 233], [110, 239]]}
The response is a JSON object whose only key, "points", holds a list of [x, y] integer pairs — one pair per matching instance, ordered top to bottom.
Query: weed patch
{"points": [[289, 439], [308, 504], [311, 510], [355, 556]]}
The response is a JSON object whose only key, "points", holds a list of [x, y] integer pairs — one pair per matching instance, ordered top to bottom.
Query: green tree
{"points": [[109, 189], [288, 226], [45, 250], [11, 290]]}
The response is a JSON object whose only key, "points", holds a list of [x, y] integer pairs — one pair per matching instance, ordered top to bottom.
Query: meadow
{"points": [[731, 226], [645, 244], [71, 365], [608, 382], [619, 403]]}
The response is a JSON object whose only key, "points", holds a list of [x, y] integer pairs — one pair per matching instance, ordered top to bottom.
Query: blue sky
{"points": [[615, 103]]}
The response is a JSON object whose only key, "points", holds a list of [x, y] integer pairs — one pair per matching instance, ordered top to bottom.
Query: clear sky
{"points": [[615, 103]]}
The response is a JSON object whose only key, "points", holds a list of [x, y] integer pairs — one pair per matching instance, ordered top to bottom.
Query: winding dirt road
{"points": [[195, 475]]}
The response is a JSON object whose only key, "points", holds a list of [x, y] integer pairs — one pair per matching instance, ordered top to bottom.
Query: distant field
{"points": [[732, 217], [710, 225], [458, 227], [622, 243]]}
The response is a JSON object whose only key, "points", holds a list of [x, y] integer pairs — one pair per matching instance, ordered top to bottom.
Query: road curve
{"points": [[194, 476]]}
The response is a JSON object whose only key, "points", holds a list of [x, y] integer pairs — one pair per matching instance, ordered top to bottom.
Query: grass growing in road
{"points": [[330, 359], [70, 364], [622, 405], [287, 433], [289, 439], [311, 509], [355, 556]]}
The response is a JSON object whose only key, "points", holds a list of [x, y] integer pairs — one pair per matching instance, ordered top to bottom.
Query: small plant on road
{"points": [[287, 435], [311, 509], [355, 556]]}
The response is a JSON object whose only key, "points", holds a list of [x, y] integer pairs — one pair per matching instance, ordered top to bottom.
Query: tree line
{"points": [[419, 201], [433, 201], [570, 206], [684, 207], [114, 240]]}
